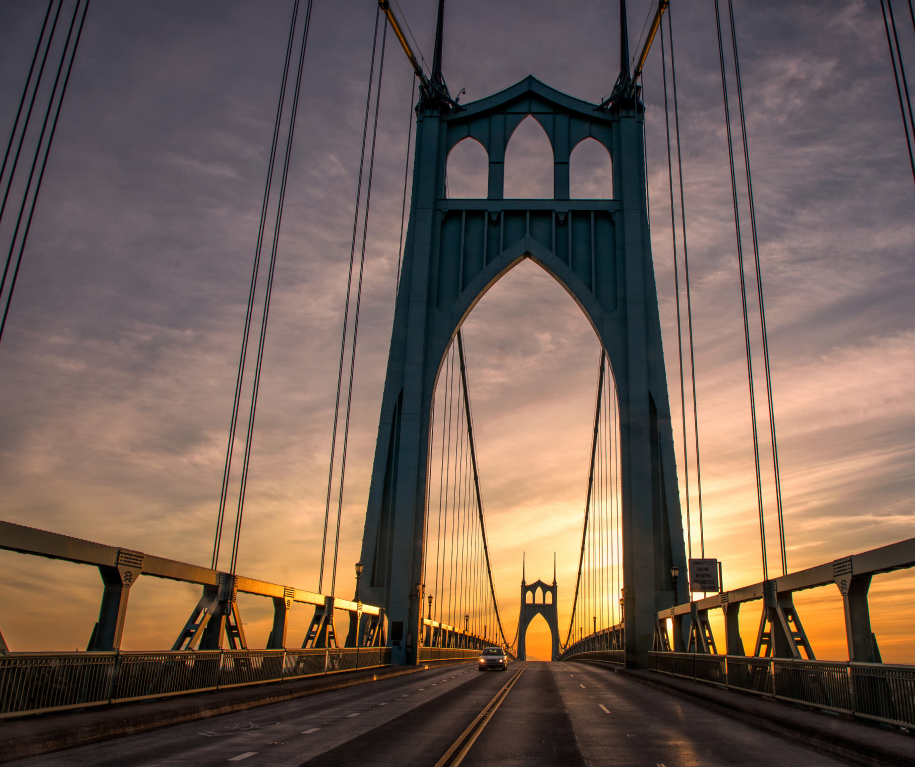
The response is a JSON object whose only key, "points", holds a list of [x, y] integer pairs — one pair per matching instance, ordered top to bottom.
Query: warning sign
{"points": [[703, 575]]}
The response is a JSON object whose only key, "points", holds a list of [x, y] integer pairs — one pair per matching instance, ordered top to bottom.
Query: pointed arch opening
{"points": [[529, 163], [467, 171], [590, 171], [532, 364], [538, 639]]}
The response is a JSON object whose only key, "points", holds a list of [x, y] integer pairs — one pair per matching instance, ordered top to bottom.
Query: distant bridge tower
{"points": [[455, 250], [545, 606]]}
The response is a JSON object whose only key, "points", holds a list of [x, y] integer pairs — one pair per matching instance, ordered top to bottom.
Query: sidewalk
{"points": [[34, 735], [848, 738]]}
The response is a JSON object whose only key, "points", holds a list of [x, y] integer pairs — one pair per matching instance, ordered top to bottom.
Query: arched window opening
{"points": [[529, 163], [467, 171], [590, 172], [530, 598], [549, 598], [538, 640]]}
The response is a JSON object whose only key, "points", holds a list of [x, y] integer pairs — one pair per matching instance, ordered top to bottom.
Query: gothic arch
{"points": [[529, 161], [467, 170], [590, 171]]}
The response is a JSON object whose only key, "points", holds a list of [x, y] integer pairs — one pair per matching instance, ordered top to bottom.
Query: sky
{"points": [[117, 367]]}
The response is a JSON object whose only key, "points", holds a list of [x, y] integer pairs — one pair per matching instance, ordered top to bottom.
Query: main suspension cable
{"points": [[406, 169]]}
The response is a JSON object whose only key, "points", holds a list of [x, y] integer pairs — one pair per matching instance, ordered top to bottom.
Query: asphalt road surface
{"points": [[554, 714]]}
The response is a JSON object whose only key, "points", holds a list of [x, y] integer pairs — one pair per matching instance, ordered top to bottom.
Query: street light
{"points": [[675, 575], [358, 578], [430, 606], [466, 623], [595, 624]]}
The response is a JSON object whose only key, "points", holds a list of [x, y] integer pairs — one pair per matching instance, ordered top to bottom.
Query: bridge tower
{"points": [[455, 250], [546, 606]]}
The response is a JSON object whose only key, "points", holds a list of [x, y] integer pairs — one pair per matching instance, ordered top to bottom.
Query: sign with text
{"points": [[703, 575]]}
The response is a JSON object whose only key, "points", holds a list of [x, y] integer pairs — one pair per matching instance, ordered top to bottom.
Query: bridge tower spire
{"points": [[624, 42], [437, 76], [455, 250]]}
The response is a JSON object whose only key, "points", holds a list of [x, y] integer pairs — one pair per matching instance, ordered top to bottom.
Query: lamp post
{"points": [[675, 576], [358, 578], [430, 606], [595, 624]]}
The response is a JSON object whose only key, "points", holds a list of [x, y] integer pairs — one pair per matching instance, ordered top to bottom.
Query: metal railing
{"points": [[429, 654], [605, 656], [33, 683], [869, 690]]}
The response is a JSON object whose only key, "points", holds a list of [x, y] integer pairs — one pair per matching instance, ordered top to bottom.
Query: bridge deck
{"points": [[558, 713]]}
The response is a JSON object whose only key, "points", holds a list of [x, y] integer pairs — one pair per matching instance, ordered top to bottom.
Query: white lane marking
{"points": [[582, 686], [382, 704], [603, 707], [349, 716], [308, 732], [208, 734], [242, 756]]}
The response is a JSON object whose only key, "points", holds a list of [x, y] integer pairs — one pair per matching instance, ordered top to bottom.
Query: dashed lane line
{"points": [[582, 686], [604, 708], [350, 716], [308, 732], [242, 756]]}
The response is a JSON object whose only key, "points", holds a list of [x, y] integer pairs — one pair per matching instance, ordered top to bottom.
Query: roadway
{"points": [[554, 714]]}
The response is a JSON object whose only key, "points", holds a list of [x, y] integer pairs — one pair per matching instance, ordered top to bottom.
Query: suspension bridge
{"points": [[638, 674]]}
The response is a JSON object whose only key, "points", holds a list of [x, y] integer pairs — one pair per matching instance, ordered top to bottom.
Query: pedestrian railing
{"points": [[431, 654], [33, 683], [870, 690]]}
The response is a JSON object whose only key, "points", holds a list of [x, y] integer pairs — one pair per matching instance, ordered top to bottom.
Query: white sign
{"points": [[703, 575]]}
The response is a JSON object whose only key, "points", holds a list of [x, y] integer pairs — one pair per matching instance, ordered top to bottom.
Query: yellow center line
{"points": [[455, 755]]}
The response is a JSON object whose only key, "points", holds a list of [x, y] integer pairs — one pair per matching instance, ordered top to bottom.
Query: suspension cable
{"points": [[25, 90], [905, 124], [44, 162], [673, 234], [759, 293], [743, 296], [346, 302], [689, 303], [249, 314], [352, 359], [259, 363], [584, 532]]}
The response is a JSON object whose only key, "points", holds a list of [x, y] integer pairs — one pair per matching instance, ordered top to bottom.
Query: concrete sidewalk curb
{"points": [[34, 736], [842, 736]]}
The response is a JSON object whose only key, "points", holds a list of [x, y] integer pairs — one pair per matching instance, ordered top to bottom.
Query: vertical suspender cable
{"points": [[25, 91], [905, 124], [44, 162], [673, 233], [271, 271], [759, 293], [743, 295], [689, 302], [346, 303], [352, 361], [233, 424], [584, 532]]}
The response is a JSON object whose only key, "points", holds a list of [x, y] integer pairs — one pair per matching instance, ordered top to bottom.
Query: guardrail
{"points": [[431, 654], [605, 656], [33, 683], [875, 691]]}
